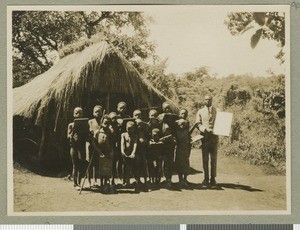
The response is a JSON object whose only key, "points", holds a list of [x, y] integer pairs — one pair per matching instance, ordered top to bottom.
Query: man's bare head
{"points": [[208, 100]]}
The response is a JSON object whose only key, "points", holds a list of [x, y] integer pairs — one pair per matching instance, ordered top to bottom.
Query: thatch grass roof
{"points": [[80, 45], [99, 67]]}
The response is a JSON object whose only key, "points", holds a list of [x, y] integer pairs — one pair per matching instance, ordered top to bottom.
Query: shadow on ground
{"points": [[194, 171], [223, 186], [239, 186], [176, 187]]}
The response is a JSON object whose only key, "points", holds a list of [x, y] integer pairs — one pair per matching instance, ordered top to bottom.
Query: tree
{"points": [[271, 25], [126, 30], [38, 35], [35, 36], [155, 74], [198, 75], [236, 95]]}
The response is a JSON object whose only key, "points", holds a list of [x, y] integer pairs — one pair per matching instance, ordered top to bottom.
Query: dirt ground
{"points": [[240, 187]]}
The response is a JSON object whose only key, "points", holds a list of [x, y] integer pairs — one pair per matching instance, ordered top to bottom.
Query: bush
{"points": [[236, 96], [261, 139]]}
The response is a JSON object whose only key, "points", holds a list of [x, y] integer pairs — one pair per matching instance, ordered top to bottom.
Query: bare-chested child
{"points": [[94, 125], [103, 147], [77, 149], [128, 150]]}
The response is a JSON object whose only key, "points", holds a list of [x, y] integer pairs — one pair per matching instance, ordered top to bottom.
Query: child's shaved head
{"points": [[78, 112], [153, 113]]}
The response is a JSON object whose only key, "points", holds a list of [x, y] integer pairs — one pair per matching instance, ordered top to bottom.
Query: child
{"points": [[165, 109], [121, 110], [183, 113], [121, 114], [137, 114], [113, 118], [153, 121], [95, 122], [94, 125], [116, 135], [116, 142], [169, 145], [103, 147], [183, 148], [77, 149], [142, 149], [128, 150], [154, 156]]}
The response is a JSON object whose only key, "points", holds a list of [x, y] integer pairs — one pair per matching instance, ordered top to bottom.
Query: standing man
{"points": [[205, 118]]}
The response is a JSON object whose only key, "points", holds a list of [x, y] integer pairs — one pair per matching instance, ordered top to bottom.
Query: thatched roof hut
{"points": [[98, 74]]}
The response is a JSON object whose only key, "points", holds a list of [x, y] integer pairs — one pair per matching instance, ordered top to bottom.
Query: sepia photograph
{"points": [[149, 109]]}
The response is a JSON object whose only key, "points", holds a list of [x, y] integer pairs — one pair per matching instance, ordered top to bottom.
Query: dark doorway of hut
{"points": [[27, 139]]}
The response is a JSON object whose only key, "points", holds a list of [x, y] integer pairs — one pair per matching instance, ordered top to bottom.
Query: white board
{"points": [[223, 123]]}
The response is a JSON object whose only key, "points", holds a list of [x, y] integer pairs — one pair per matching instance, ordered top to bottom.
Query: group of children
{"points": [[124, 147]]}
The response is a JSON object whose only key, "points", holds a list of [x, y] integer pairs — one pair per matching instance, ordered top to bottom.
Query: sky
{"points": [[192, 37]]}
